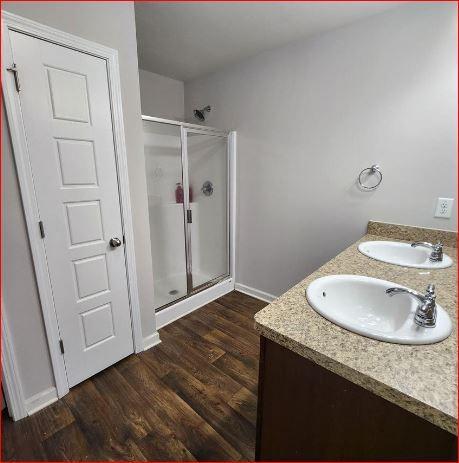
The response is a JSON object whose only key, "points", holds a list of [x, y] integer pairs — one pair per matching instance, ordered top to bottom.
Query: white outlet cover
{"points": [[444, 208]]}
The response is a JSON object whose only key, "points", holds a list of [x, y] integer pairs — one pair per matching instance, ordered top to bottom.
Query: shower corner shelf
{"points": [[180, 204]]}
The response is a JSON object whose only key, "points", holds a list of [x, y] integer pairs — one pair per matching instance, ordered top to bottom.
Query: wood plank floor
{"points": [[193, 397]]}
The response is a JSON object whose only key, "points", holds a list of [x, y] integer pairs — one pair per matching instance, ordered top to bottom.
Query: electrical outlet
{"points": [[444, 208]]}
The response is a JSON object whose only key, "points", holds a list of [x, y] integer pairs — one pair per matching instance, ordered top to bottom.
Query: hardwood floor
{"points": [[193, 397]]}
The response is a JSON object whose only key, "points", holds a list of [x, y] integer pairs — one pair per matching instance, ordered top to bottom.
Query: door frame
{"points": [[12, 22]]}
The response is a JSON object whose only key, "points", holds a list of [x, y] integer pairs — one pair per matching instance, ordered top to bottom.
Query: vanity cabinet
{"points": [[306, 412]]}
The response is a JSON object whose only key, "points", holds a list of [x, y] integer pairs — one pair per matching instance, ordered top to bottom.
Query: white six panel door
{"points": [[67, 116]]}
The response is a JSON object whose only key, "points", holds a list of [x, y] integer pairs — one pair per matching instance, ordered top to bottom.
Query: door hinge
{"points": [[14, 70], [189, 216], [42, 229], [61, 345]]}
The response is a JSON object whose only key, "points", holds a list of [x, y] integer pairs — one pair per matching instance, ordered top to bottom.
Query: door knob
{"points": [[115, 242]]}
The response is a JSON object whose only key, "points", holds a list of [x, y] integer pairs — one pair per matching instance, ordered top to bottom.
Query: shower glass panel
{"points": [[207, 162], [163, 163]]}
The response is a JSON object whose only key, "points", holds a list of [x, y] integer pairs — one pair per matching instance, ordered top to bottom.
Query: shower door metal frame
{"points": [[187, 125], [187, 207], [228, 277]]}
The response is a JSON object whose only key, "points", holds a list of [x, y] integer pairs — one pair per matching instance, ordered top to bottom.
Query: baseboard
{"points": [[254, 292], [176, 311], [151, 341], [41, 400]]}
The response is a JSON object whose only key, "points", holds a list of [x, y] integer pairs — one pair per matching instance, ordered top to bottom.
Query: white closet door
{"points": [[67, 116]]}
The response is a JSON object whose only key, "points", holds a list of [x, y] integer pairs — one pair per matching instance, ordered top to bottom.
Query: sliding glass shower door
{"points": [[207, 158], [187, 183]]}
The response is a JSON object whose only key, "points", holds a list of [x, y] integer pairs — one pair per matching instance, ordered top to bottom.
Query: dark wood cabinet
{"points": [[306, 412]]}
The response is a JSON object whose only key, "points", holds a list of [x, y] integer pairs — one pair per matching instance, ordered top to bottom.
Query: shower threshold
{"points": [[170, 291], [200, 296]]}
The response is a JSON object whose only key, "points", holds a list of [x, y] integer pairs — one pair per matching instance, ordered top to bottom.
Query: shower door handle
{"points": [[115, 242]]}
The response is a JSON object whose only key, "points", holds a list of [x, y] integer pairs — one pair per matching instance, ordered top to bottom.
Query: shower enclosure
{"points": [[188, 183]]}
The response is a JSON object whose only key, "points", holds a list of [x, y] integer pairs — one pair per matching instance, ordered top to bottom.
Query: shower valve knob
{"points": [[207, 188], [115, 242]]}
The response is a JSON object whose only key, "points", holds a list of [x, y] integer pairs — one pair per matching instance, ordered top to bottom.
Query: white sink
{"points": [[394, 252], [360, 304]]}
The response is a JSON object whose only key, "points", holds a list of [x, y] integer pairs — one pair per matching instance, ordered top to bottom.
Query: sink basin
{"points": [[394, 252], [360, 304]]}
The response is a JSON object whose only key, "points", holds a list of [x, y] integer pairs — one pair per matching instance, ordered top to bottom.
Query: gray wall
{"points": [[111, 24], [161, 96], [312, 114], [20, 293]]}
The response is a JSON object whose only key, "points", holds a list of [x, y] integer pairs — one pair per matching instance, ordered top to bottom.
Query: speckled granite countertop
{"points": [[421, 379]]}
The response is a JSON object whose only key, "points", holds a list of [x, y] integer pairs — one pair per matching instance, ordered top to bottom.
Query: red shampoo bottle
{"points": [[179, 193]]}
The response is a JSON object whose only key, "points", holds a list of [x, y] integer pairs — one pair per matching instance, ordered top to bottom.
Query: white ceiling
{"points": [[187, 40]]}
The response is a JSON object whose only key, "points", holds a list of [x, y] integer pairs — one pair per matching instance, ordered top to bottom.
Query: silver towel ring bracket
{"points": [[373, 170]]}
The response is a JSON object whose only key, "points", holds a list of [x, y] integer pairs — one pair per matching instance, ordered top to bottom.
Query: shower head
{"points": [[200, 113]]}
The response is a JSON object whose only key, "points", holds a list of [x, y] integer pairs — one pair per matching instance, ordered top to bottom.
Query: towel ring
{"points": [[374, 169]]}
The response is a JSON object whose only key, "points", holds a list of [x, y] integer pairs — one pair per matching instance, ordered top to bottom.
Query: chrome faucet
{"points": [[437, 250], [426, 312]]}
